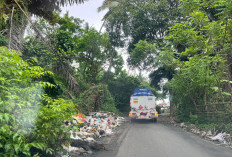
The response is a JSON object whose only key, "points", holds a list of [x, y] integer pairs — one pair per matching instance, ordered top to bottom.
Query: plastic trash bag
{"points": [[219, 137]]}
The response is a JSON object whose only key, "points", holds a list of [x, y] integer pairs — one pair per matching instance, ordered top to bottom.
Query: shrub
{"points": [[3, 41], [97, 98], [158, 109], [193, 119], [30, 122]]}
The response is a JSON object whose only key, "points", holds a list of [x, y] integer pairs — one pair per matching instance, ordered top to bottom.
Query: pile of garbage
{"points": [[86, 129], [212, 135], [223, 138]]}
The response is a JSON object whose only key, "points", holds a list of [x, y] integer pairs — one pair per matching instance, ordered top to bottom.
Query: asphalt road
{"points": [[147, 139]]}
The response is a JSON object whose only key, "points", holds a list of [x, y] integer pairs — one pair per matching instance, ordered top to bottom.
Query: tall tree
{"points": [[13, 20], [141, 20], [139, 24], [200, 48], [90, 50], [96, 55], [58, 56]]}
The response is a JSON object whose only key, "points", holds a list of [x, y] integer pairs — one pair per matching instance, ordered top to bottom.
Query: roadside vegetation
{"points": [[188, 43], [62, 66]]}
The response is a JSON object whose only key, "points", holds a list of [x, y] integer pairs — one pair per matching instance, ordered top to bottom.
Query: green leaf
{"points": [[215, 89], [226, 93], [40, 146], [8, 147], [17, 148], [49, 151]]}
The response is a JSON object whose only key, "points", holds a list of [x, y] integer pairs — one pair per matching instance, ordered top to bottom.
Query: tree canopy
{"points": [[65, 67]]}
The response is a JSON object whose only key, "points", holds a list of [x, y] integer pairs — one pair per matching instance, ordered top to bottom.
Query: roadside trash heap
{"points": [[86, 129], [221, 138]]}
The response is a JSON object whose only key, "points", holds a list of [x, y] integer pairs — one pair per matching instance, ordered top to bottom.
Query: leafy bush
{"points": [[3, 41], [192, 84], [121, 88], [97, 98], [158, 109], [193, 119], [30, 122], [228, 128]]}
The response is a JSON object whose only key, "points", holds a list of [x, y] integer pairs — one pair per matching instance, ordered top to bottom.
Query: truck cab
{"points": [[143, 105]]}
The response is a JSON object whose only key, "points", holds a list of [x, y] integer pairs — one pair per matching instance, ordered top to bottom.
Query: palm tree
{"points": [[110, 5], [44, 8], [18, 21], [16, 25]]}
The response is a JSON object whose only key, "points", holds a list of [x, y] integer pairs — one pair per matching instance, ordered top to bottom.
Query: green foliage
{"points": [[5, 13], [141, 20], [145, 23], [64, 38], [3, 41], [85, 47], [96, 51], [143, 55], [201, 55], [194, 81], [122, 87], [97, 98], [158, 109], [193, 119], [31, 122], [207, 126], [219, 127], [50, 128]]}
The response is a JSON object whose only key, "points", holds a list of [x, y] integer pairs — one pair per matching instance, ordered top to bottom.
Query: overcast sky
{"points": [[87, 12]]}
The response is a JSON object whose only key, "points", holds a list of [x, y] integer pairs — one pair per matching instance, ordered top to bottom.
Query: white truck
{"points": [[143, 105]]}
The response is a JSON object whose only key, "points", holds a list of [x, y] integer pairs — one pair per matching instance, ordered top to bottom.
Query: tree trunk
{"points": [[15, 34], [110, 66], [172, 107]]}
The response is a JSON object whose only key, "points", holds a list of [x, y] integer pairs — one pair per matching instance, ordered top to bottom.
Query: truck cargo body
{"points": [[143, 105]]}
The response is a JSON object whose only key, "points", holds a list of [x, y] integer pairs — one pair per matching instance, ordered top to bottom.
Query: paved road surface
{"points": [[147, 139]]}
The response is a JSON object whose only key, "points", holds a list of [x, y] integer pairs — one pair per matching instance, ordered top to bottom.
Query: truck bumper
{"points": [[141, 115]]}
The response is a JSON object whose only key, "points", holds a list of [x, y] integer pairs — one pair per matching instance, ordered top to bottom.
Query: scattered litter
{"points": [[95, 125], [182, 125], [86, 129], [209, 133], [220, 137], [90, 139]]}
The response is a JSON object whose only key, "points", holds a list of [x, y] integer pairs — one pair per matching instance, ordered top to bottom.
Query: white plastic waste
{"points": [[108, 132], [219, 137], [90, 139]]}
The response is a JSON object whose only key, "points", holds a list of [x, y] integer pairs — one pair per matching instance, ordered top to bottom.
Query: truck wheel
{"points": [[155, 120]]}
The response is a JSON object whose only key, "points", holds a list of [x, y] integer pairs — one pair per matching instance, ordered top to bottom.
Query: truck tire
{"points": [[155, 120]]}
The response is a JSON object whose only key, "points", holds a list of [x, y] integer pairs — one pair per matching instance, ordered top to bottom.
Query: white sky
{"points": [[87, 12]]}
